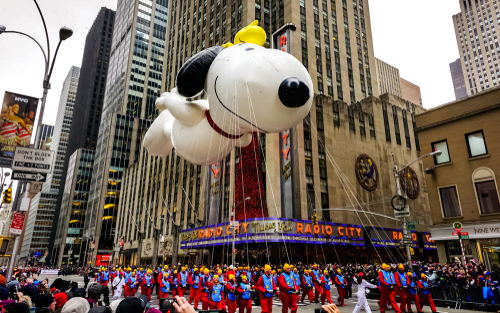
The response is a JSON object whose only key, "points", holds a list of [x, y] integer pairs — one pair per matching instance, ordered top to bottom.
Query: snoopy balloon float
{"points": [[248, 88]]}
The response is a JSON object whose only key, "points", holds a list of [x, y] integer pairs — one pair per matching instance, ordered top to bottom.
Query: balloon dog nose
{"points": [[293, 92]]}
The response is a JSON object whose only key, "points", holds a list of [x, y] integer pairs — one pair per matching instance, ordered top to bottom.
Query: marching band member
{"points": [[182, 278], [327, 282], [387, 282], [147, 283], [204, 283], [317, 283], [402, 283], [174, 284], [341, 284], [165, 287], [307, 287], [267, 288], [289, 289], [194, 293], [411, 293], [425, 294], [232, 297], [215, 300], [245, 301], [362, 302]]}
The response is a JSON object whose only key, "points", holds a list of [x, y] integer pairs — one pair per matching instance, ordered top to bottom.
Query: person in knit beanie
{"points": [[4, 292], [61, 299], [76, 305]]}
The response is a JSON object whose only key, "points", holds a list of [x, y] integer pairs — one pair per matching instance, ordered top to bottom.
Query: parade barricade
{"points": [[446, 296], [465, 297]]}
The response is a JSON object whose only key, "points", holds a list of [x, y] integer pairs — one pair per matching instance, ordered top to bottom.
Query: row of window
{"points": [[476, 146]]}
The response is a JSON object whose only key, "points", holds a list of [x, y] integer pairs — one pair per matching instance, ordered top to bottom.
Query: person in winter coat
{"points": [[118, 285], [362, 302], [45, 303], [76, 305]]}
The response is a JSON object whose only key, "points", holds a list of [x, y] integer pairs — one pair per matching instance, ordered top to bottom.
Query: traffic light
{"points": [[7, 195], [315, 219]]}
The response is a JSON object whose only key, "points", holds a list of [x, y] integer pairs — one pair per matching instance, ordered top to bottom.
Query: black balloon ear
{"points": [[192, 75]]}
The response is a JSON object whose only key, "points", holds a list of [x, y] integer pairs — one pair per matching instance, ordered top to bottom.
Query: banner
{"points": [[17, 120], [16, 227], [49, 272]]}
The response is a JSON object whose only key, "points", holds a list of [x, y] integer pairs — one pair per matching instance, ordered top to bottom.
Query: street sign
{"points": [[33, 160], [22, 175], [405, 212], [412, 223], [234, 224], [411, 226], [457, 226], [16, 227], [455, 233], [464, 233], [407, 236], [464, 236], [406, 242]]}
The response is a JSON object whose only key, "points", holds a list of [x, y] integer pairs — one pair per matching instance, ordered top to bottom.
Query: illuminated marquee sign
{"points": [[274, 230], [390, 237], [428, 243]]}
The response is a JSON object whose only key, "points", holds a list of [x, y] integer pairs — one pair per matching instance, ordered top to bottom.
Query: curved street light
{"points": [[64, 33]]}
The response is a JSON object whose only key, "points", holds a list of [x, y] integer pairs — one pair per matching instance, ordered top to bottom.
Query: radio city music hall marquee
{"points": [[273, 230]]}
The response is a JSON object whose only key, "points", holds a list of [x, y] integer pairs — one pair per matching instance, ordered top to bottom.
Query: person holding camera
{"points": [[267, 288], [289, 289], [387, 294], [245, 300]]}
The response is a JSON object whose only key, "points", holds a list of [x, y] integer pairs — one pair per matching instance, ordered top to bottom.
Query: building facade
{"points": [[476, 30], [330, 36], [457, 76], [388, 78], [134, 81], [411, 92], [89, 99], [45, 132], [463, 184], [43, 206], [68, 239]]}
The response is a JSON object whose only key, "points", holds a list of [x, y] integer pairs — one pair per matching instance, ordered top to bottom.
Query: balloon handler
{"points": [[267, 289], [289, 290]]}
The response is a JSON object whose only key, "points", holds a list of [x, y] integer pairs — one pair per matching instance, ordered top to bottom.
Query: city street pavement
{"points": [[302, 308]]}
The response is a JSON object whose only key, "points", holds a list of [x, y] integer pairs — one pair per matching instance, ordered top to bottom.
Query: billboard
{"points": [[17, 120]]}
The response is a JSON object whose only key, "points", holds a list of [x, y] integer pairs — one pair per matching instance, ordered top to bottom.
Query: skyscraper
{"points": [[476, 30], [457, 76], [134, 82], [88, 109], [45, 132], [43, 205]]}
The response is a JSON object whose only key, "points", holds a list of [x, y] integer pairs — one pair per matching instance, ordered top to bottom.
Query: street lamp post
{"points": [[64, 33], [396, 177], [233, 223]]}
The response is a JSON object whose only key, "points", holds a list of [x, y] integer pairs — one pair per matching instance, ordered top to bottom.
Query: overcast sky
{"points": [[415, 36]]}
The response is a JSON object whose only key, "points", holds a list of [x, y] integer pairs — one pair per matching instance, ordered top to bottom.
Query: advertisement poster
{"points": [[17, 120], [16, 227]]}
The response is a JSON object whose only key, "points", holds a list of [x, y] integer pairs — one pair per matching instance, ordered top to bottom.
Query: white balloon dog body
{"points": [[248, 89]]}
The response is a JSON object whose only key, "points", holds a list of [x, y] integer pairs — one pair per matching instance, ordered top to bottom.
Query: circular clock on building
{"points": [[366, 172], [409, 183]]}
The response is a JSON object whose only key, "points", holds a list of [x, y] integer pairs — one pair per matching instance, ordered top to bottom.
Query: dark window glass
{"points": [[488, 197], [449, 201]]}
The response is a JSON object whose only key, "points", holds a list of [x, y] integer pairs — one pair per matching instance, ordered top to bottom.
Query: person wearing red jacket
{"points": [[182, 279], [326, 281], [164, 282], [147, 283], [341, 283], [402, 283], [174, 284], [307, 286], [267, 287], [288, 289], [204, 290], [318, 290], [195, 292], [412, 292], [425, 294], [387, 295], [232, 297], [215, 298], [245, 301]]}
